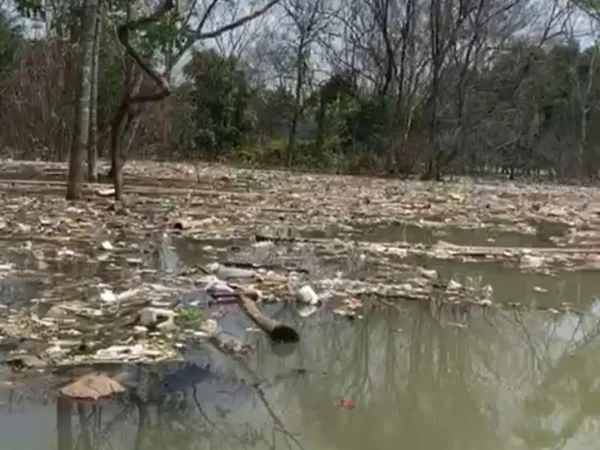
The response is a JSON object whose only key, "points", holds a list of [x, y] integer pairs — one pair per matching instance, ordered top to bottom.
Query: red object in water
{"points": [[346, 404]]}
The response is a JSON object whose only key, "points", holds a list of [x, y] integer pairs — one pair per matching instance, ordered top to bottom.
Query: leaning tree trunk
{"points": [[130, 98], [82, 113], [120, 134], [92, 172]]}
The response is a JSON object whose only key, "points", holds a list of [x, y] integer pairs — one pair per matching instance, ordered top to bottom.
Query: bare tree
{"points": [[308, 20], [236, 43], [161, 81], [82, 117], [92, 173]]}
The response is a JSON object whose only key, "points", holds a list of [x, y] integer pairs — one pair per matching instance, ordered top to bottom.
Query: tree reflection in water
{"points": [[505, 380]]}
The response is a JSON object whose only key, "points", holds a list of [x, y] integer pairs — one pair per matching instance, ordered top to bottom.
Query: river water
{"points": [[407, 377]]}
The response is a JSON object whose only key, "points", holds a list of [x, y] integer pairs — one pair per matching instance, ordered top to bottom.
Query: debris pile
{"points": [[105, 282]]}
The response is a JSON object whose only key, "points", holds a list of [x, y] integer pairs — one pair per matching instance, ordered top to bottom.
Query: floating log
{"points": [[255, 266], [277, 331]]}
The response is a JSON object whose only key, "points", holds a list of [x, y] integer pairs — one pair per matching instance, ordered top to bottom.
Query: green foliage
{"points": [[162, 37], [221, 97], [520, 106], [189, 317]]}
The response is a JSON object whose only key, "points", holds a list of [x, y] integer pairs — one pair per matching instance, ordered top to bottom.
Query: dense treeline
{"points": [[397, 87]]}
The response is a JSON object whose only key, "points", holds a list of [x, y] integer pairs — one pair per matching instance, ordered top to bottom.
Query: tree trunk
{"points": [[435, 16], [162, 82], [131, 88], [585, 107], [82, 115], [320, 119], [123, 133], [291, 146], [116, 165], [92, 172], [64, 426]]}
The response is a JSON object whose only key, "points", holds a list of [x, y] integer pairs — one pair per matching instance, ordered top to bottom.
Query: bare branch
{"points": [[206, 15], [239, 22], [123, 33], [198, 35]]}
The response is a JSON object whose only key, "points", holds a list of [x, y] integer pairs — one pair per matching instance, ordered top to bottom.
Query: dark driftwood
{"points": [[254, 266], [277, 331]]}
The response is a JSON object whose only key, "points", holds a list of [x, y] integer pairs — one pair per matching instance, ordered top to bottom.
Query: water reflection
{"points": [[408, 232], [544, 236], [511, 284], [15, 292], [501, 380], [506, 381]]}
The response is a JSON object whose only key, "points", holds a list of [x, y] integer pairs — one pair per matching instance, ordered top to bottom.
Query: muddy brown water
{"points": [[476, 237], [409, 377]]}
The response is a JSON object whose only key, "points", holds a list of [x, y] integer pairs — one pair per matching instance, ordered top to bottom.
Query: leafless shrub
{"points": [[36, 108]]}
